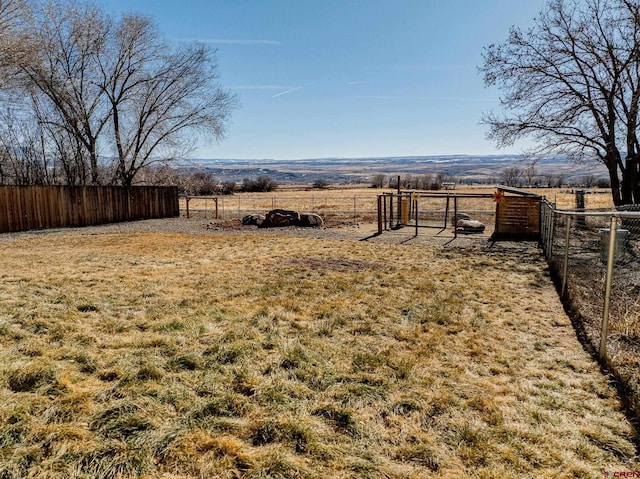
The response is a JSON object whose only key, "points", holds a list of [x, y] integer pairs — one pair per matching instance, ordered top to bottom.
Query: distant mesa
{"points": [[465, 168]]}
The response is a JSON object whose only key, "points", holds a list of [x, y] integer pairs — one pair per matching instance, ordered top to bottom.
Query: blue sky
{"points": [[346, 78]]}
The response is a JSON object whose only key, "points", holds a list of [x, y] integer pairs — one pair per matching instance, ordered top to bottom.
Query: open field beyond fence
{"points": [[360, 205], [276, 356]]}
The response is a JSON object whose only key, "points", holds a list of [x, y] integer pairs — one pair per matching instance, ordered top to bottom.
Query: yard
{"points": [[261, 354]]}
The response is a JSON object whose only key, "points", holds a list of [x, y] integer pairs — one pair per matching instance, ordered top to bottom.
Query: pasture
{"points": [[356, 204], [267, 355]]}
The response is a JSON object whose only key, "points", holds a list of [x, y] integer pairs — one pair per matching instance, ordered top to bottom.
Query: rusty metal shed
{"points": [[517, 214]]}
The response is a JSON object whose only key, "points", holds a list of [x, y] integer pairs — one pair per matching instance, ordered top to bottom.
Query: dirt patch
{"points": [[338, 265]]}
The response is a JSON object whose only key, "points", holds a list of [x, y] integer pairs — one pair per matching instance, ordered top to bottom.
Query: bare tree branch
{"points": [[572, 83], [103, 87]]}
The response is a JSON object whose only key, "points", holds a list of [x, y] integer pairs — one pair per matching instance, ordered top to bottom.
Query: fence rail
{"points": [[36, 207], [356, 207], [434, 210], [596, 258]]}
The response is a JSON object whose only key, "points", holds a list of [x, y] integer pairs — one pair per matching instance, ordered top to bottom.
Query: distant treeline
{"points": [[527, 177], [426, 181], [203, 183]]}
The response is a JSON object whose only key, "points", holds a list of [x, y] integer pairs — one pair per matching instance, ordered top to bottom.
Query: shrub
{"points": [[378, 181], [262, 184], [321, 184]]}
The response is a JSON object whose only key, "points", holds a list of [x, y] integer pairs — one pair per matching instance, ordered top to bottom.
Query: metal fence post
{"points": [[416, 207], [354, 208], [542, 213], [380, 214], [545, 229], [551, 232], [565, 267], [607, 287]]}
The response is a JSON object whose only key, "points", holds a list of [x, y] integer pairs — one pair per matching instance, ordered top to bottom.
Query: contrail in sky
{"points": [[291, 89]]}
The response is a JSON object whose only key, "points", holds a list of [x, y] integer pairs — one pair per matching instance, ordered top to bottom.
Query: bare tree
{"points": [[12, 15], [60, 42], [572, 82], [114, 88], [159, 96], [24, 159], [529, 173], [511, 176], [550, 179], [378, 180], [438, 180], [589, 180], [425, 181], [408, 182]]}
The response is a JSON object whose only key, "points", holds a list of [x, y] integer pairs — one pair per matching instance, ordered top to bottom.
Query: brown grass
{"points": [[359, 204], [169, 355]]}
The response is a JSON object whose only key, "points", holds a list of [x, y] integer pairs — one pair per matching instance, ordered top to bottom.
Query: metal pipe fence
{"points": [[423, 210], [596, 257]]}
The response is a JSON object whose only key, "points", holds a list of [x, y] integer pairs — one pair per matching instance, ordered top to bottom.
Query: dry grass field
{"points": [[359, 204], [260, 355]]}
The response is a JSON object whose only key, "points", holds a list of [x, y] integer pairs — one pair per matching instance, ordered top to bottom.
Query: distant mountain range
{"points": [[460, 168]]}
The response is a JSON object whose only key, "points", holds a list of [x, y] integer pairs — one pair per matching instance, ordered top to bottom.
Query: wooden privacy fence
{"points": [[36, 207]]}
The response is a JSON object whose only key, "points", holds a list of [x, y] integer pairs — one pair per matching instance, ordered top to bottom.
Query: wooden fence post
{"points": [[379, 214]]}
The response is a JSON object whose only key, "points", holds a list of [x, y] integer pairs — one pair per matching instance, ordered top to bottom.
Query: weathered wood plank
{"points": [[36, 207], [518, 216]]}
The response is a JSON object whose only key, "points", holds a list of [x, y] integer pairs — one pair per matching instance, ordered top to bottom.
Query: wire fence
{"points": [[346, 207], [438, 212], [596, 256]]}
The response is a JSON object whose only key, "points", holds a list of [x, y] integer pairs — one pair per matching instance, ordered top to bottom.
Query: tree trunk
{"points": [[93, 158], [633, 179], [626, 185], [617, 190]]}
